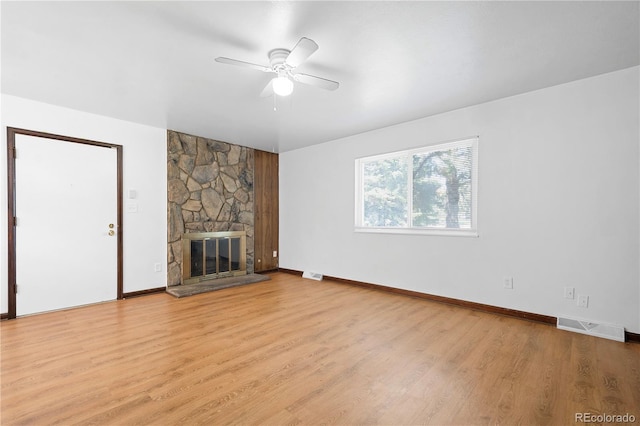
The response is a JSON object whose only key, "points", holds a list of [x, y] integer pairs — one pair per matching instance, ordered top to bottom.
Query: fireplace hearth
{"points": [[211, 255]]}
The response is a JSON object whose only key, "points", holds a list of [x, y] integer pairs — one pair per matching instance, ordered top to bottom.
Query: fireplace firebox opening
{"points": [[211, 255]]}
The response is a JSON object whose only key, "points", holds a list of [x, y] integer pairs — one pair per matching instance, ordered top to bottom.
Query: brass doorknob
{"points": [[111, 225], [111, 233]]}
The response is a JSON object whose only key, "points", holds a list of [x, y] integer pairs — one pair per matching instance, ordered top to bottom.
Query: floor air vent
{"points": [[312, 275], [607, 331]]}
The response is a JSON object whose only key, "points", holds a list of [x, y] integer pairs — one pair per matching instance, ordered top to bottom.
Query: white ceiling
{"points": [[152, 62]]}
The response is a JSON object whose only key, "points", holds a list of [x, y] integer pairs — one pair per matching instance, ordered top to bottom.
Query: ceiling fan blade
{"points": [[301, 52], [243, 64], [311, 80], [268, 90]]}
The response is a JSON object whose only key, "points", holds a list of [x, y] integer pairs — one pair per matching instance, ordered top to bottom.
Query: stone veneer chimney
{"points": [[210, 189]]}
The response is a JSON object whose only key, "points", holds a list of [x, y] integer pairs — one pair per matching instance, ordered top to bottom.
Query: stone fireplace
{"points": [[209, 189]]}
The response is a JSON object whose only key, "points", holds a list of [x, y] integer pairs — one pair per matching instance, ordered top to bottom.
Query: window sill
{"points": [[420, 231]]}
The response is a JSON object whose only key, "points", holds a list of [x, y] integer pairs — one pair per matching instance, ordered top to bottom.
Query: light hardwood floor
{"points": [[294, 351]]}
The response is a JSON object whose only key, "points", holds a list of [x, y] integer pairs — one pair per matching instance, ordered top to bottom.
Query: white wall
{"points": [[144, 161], [559, 200]]}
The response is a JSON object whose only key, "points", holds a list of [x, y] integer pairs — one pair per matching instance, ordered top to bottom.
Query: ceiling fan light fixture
{"points": [[283, 63], [282, 86]]}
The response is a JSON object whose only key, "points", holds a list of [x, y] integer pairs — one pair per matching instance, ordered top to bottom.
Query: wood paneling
{"points": [[265, 187], [297, 351]]}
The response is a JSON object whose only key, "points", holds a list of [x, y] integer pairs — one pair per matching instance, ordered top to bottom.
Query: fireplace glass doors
{"points": [[210, 255]]}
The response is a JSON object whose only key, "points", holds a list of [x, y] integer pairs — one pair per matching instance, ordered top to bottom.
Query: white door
{"points": [[65, 201]]}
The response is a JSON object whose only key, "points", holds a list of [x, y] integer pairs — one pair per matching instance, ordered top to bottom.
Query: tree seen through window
{"points": [[426, 188]]}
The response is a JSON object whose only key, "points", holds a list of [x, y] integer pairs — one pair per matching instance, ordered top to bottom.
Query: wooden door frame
{"points": [[11, 212]]}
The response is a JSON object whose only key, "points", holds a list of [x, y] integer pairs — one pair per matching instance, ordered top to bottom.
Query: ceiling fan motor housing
{"points": [[277, 59]]}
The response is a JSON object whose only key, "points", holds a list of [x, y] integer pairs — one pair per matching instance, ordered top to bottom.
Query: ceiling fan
{"points": [[283, 63]]}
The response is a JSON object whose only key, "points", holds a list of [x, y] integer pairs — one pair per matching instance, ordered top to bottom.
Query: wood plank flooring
{"points": [[294, 351]]}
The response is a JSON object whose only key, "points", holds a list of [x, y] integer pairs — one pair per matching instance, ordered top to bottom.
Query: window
{"points": [[429, 190]]}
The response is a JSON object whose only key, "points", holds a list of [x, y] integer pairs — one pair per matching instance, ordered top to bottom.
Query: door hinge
{"points": [[14, 152], [15, 221], [15, 289]]}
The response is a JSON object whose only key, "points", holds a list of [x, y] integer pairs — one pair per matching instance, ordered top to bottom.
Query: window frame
{"points": [[409, 229]]}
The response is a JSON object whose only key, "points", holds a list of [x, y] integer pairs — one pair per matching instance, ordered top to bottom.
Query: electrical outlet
{"points": [[275, 253], [157, 267], [508, 283], [569, 292], [583, 301]]}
